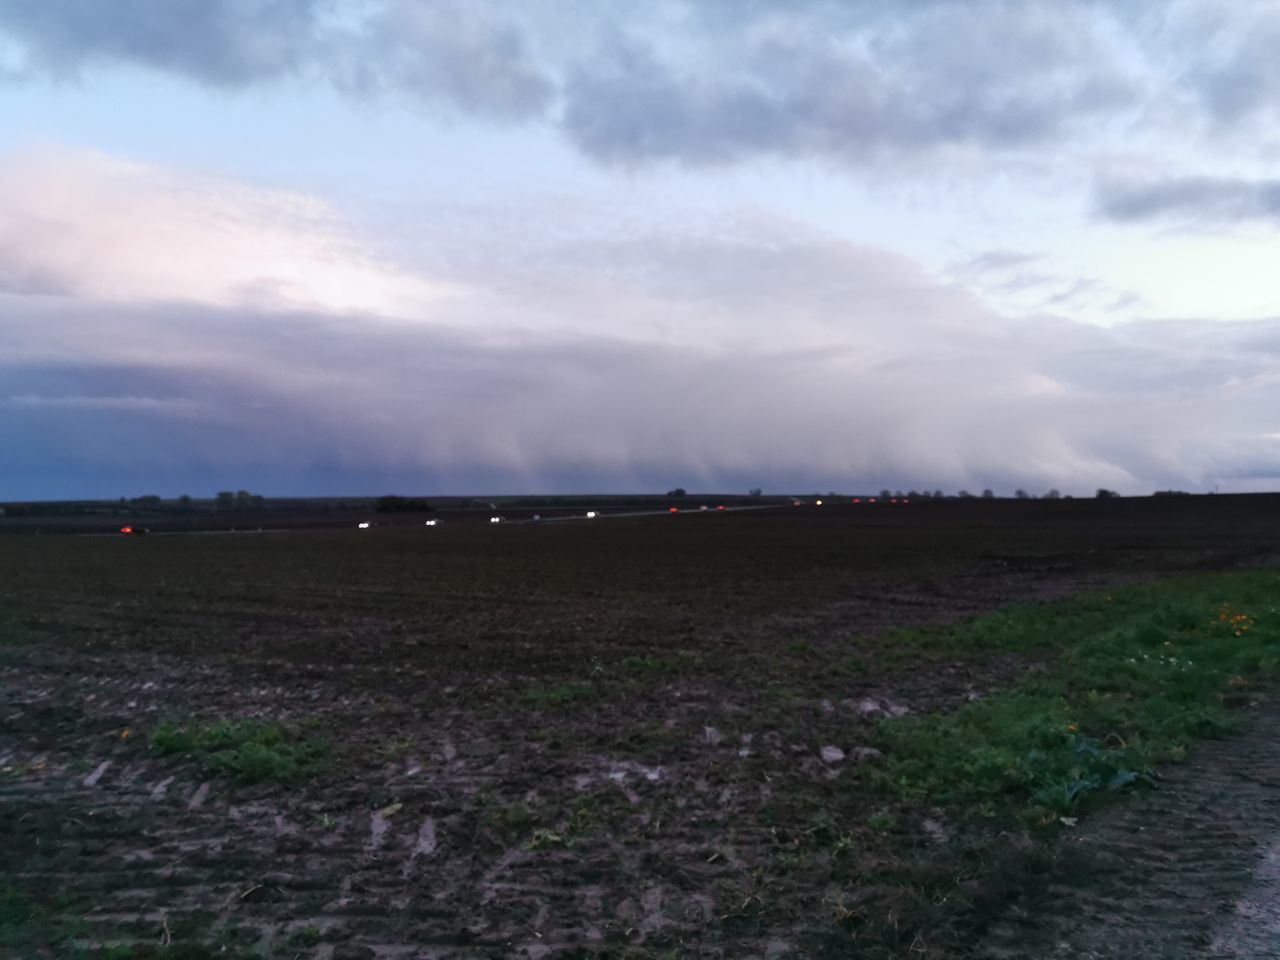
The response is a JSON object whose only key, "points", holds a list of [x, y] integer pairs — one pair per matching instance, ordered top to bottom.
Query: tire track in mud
{"points": [[1188, 870]]}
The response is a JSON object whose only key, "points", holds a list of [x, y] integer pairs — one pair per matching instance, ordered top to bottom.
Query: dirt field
{"points": [[588, 739]]}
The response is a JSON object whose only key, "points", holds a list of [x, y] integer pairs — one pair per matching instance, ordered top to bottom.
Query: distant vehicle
{"points": [[857, 500], [795, 503], [817, 503], [703, 507], [721, 507], [673, 509], [591, 514], [536, 516], [495, 519], [430, 523], [363, 525], [133, 531]]}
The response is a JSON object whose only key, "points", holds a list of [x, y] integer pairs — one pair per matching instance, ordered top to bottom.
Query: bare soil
{"points": [[579, 740]]}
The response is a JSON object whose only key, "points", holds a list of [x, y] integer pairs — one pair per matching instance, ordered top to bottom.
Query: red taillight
{"points": [[857, 499], [871, 499], [893, 500], [905, 500], [721, 507], [673, 509], [126, 529]]}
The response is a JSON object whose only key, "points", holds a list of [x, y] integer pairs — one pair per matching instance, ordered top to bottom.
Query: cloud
{"points": [[221, 42], [436, 52], [457, 53], [1230, 62], [812, 81], [693, 82], [708, 82], [1209, 199], [93, 226], [997, 261], [742, 352], [168, 406]]}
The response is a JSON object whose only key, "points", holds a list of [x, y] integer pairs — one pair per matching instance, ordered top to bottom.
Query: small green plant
{"points": [[561, 695], [246, 751], [882, 821], [544, 839]]}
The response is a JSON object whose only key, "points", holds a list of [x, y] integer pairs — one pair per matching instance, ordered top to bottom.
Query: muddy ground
{"points": [[603, 739]]}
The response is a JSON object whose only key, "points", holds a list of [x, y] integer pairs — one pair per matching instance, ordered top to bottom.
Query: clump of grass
{"points": [[1132, 678], [561, 695], [246, 751], [34, 923]]}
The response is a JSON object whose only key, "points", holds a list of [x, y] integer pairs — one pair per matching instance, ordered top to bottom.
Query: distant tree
{"points": [[677, 492], [755, 492], [1171, 493], [885, 494], [898, 494], [913, 494], [988, 494], [1105, 494], [939, 495], [965, 495], [1022, 495], [1053, 495], [243, 499], [147, 500], [226, 500], [184, 502], [258, 502]]}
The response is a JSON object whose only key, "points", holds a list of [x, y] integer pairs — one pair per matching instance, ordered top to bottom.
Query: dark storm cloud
{"points": [[1191, 198], [884, 378]]}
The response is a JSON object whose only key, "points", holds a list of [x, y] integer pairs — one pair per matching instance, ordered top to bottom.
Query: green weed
{"points": [[1132, 678], [582, 691], [246, 751]]}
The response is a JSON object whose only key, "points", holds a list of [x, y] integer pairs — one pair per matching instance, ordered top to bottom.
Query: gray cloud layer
{"points": [[223, 42], [440, 52], [711, 82], [814, 82], [1192, 198]]}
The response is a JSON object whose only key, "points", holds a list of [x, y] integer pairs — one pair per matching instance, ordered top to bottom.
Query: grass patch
{"points": [[1132, 679], [562, 695], [245, 751], [30, 923]]}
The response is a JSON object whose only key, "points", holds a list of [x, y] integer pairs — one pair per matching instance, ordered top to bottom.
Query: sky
{"points": [[310, 247]]}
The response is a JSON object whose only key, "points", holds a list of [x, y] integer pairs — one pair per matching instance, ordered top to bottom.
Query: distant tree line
{"points": [[240, 500], [394, 504]]}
